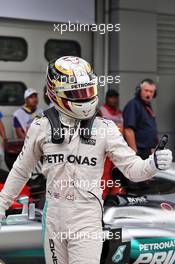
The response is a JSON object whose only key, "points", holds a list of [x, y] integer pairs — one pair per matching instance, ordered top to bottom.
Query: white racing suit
{"points": [[72, 215]]}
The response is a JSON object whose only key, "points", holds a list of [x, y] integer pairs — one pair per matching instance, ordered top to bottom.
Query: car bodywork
{"points": [[145, 219]]}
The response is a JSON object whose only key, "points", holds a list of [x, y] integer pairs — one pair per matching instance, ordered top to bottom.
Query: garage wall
{"points": [[134, 54]]}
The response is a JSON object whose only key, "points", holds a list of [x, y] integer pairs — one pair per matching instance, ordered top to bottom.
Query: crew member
{"points": [[140, 127]]}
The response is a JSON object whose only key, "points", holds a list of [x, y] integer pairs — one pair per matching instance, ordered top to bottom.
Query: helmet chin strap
{"points": [[58, 121]]}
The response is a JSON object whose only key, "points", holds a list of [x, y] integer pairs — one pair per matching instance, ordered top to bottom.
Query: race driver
{"points": [[74, 144]]}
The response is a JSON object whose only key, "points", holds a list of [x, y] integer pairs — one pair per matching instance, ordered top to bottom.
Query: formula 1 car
{"points": [[35, 188], [142, 222], [20, 235]]}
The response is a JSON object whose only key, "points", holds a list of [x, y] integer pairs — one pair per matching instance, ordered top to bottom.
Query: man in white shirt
{"points": [[24, 116]]}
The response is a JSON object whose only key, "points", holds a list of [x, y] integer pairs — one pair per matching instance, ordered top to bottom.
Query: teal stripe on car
{"points": [[44, 221], [24, 253]]}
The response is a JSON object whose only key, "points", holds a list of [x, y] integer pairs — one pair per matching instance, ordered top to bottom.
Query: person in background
{"points": [[110, 110], [24, 116], [140, 129]]}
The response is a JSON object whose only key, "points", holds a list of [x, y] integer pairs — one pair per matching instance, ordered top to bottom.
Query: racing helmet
{"points": [[72, 87]]}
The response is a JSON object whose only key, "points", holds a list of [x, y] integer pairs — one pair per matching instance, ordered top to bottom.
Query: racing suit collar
{"points": [[66, 120]]}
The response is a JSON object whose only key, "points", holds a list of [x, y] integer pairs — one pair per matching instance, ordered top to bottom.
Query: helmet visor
{"points": [[78, 94]]}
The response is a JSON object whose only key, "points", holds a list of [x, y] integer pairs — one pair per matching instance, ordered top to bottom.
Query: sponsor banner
{"points": [[61, 158], [153, 251]]}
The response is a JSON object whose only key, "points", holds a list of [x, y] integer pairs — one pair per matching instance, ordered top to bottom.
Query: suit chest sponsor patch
{"points": [[88, 141]]}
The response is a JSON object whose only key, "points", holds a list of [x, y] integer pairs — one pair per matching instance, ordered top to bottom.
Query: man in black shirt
{"points": [[140, 127]]}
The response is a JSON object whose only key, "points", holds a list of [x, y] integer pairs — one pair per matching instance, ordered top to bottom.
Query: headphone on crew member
{"points": [[139, 86]]}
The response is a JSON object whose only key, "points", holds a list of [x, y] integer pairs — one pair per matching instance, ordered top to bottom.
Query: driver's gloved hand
{"points": [[162, 159]]}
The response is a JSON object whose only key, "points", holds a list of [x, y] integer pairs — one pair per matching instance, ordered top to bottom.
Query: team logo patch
{"points": [[88, 141], [121, 255], [118, 256]]}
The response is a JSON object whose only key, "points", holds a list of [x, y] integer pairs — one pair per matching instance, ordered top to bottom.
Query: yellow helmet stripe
{"points": [[88, 67], [68, 72], [62, 95], [60, 103]]}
